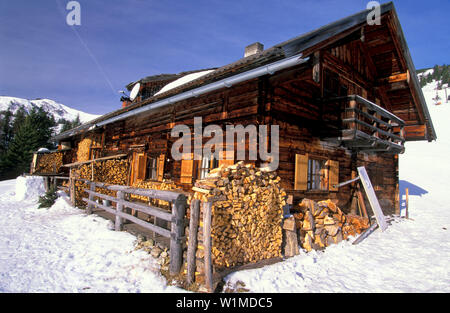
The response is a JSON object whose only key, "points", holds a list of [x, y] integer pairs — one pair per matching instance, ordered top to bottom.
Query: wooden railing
{"points": [[366, 125], [175, 217]]}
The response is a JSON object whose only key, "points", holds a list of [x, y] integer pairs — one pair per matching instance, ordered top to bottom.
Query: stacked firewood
{"points": [[84, 150], [49, 163], [112, 172], [246, 214], [323, 223]]}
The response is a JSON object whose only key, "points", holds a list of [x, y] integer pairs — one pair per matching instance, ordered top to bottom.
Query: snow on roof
{"points": [[183, 80]]}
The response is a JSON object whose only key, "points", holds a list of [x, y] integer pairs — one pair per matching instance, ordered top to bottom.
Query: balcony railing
{"points": [[362, 125]]}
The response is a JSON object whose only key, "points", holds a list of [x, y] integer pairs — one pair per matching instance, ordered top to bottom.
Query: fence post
{"points": [[72, 191], [91, 198], [407, 203], [207, 207], [119, 208], [177, 232], [192, 246]]}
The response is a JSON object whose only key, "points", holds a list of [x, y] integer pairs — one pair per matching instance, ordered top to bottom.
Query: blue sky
{"points": [[123, 41]]}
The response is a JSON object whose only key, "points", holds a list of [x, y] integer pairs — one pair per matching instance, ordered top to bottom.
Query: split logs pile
{"points": [[84, 150], [49, 163], [112, 172], [246, 214], [323, 223]]}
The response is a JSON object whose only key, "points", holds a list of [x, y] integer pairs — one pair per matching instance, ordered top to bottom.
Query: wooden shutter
{"points": [[227, 158], [142, 162], [160, 166], [137, 168], [187, 168], [301, 172], [333, 174]]}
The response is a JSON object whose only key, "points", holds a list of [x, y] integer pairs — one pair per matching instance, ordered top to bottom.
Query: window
{"points": [[207, 163], [152, 169], [316, 175]]}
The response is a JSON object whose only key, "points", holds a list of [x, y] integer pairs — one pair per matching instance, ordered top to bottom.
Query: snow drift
{"points": [[29, 188]]}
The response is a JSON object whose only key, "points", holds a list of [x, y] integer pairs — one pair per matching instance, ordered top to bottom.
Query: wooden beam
{"points": [[395, 78], [415, 132], [118, 156]]}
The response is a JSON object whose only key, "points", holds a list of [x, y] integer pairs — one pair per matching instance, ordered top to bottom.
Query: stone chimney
{"points": [[253, 49]]}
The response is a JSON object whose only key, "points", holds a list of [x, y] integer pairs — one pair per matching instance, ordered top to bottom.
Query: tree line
{"points": [[440, 73], [22, 133]]}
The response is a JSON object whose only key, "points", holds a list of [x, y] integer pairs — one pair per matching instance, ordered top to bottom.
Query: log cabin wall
{"points": [[291, 99]]}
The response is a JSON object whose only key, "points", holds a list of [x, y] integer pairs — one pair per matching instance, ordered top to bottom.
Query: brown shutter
{"points": [[227, 158], [161, 161], [142, 162], [187, 167], [301, 172], [333, 174]]}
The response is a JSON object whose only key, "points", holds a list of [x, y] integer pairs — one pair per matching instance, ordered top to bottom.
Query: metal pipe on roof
{"points": [[226, 82]]}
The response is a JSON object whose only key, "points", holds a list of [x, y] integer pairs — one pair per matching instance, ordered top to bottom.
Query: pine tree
{"points": [[19, 118], [67, 125], [6, 131], [33, 133], [20, 151]]}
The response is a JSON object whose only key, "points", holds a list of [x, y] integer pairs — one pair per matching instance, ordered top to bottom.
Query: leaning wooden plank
{"points": [[372, 198], [366, 233]]}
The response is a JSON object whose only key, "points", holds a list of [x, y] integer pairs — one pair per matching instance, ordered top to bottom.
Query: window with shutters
{"points": [[315, 174]]}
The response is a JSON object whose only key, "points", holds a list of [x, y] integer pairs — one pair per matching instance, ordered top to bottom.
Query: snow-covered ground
{"points": [[61, 249]]}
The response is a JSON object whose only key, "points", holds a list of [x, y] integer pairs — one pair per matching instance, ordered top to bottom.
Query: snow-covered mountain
{"points": [[58, 110]]}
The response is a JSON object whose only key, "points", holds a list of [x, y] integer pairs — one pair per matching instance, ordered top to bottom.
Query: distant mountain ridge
{"points": [[58, 110]]}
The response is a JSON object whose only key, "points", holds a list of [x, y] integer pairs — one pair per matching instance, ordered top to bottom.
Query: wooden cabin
{"points": [[344, 95]]}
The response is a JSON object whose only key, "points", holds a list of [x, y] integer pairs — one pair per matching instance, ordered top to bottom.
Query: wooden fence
{"points": [[175, 217]]}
